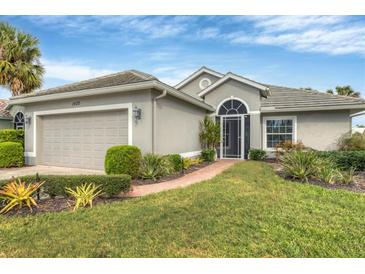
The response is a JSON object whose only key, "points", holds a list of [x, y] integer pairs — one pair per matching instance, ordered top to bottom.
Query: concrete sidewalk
{"points": [[205, 173]]}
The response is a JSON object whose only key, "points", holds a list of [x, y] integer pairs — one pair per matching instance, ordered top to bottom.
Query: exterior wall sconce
{"points": [[137, 113], [28, 119]]}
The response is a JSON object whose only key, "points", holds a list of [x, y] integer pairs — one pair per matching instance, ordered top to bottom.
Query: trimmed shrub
{"points": [[12, 135], [11, 154], [208, 154], [257, 154], [123, 159], [345, 160], [176, 161], [300, 164], [155, 166], [55, 185]]}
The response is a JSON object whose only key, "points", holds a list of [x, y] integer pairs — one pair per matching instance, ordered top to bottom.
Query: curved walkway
{"points": [[203, 174]]}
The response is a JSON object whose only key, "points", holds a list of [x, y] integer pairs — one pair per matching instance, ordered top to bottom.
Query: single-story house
{"points": [[6, 121], [73, 125]]}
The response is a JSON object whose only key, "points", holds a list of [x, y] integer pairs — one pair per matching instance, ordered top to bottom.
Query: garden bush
{"points": [[12, 135], [351, 142], [11, 154], [208, 154], [257, 154], [123, 159], [345, 160], [176, 161], [300, 164], [154, 166], [327, 171], [54, 185]]}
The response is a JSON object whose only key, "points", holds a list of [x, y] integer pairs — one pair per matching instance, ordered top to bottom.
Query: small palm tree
{"points": [[20, 67], [345, 91]]}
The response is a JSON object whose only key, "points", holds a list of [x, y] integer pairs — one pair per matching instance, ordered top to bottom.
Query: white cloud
{"points": [[283, 23], [208, 33], [325, 34], [71, 71], [172, 75]]}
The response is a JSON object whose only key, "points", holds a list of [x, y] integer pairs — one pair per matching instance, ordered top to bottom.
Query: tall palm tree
{"points": [[20, 67], [345, 91]]}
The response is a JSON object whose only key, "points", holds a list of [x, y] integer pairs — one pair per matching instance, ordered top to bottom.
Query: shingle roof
{"points": [[116, 79], [286, 98], [4, 114]]}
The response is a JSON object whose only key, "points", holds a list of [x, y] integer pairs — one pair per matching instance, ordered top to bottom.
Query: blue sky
{"points": [[296, 51]]}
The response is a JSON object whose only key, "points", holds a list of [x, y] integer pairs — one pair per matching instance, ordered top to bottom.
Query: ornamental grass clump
{"points": [[300, 165], [154, 166], [327, 172], [18, 193], [84, 195]]}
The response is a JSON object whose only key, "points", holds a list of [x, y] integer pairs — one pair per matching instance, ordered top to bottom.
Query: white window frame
{"points": [[265, 119], [15, 125]]}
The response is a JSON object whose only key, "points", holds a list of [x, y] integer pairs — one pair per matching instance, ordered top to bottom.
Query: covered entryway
{"points": [[235, 130], [80, 140]]}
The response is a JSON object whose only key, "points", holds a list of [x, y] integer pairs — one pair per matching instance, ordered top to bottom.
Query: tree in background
{"points": [[20, 68], [345, 91]]}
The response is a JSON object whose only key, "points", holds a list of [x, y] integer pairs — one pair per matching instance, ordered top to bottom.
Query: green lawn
{"points": [[246, 211]]}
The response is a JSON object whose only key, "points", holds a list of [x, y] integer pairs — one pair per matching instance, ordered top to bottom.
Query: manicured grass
{"points": [[246, 211]]}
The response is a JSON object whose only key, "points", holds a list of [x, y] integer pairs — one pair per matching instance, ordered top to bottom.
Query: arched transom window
{"points": [[232, 107], [19, 121]]}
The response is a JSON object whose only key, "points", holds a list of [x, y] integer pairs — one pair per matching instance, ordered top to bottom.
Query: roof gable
{"points": [[197, 74], [230, 75]]}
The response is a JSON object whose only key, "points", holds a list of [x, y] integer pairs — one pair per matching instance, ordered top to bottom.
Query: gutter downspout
{"points": [[154, 119]]}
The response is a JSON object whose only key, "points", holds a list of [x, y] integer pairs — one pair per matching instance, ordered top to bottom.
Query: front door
{"points": [[231, 137]]}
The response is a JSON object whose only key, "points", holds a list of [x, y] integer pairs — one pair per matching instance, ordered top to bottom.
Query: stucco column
{"points": [[255, 131]]}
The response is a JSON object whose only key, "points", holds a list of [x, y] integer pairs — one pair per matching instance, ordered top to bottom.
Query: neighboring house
{"points": [[6, 121], [74, 125]]}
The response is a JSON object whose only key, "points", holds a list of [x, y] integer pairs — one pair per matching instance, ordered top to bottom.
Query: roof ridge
{"points": [[135, 72], [142, 74]]}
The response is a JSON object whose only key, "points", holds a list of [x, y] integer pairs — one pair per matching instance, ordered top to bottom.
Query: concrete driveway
{"points": [[8, 173]]}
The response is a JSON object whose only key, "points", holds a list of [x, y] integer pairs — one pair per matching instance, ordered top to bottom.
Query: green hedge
{"points": [[12, 135], [11, 154], [208, 154], [257, 154], [123, 159], [345, 159], [55, 185]]}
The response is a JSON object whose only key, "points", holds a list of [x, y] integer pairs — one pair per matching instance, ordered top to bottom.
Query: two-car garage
{"points": [[80, 140]]}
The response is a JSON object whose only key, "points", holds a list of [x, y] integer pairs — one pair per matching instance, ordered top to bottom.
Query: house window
{"points": [[232, 107], [19, 121], [279, 130]]}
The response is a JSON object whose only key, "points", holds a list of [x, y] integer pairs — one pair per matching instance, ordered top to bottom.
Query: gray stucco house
{"points": [[6, 121], [74, 125]]}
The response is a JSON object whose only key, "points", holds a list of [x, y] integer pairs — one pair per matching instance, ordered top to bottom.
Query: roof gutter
{"points": [[28, 99], [338, 107]]}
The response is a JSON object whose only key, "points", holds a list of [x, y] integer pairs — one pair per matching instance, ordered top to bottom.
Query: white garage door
{"points": [[81, 140]]}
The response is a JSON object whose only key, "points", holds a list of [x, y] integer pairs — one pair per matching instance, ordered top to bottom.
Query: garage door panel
{"points": [[81, 140]]}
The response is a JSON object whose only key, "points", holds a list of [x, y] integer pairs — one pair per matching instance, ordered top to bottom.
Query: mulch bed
{"points": [[170, 177], [357, 186], [57, 205]]}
